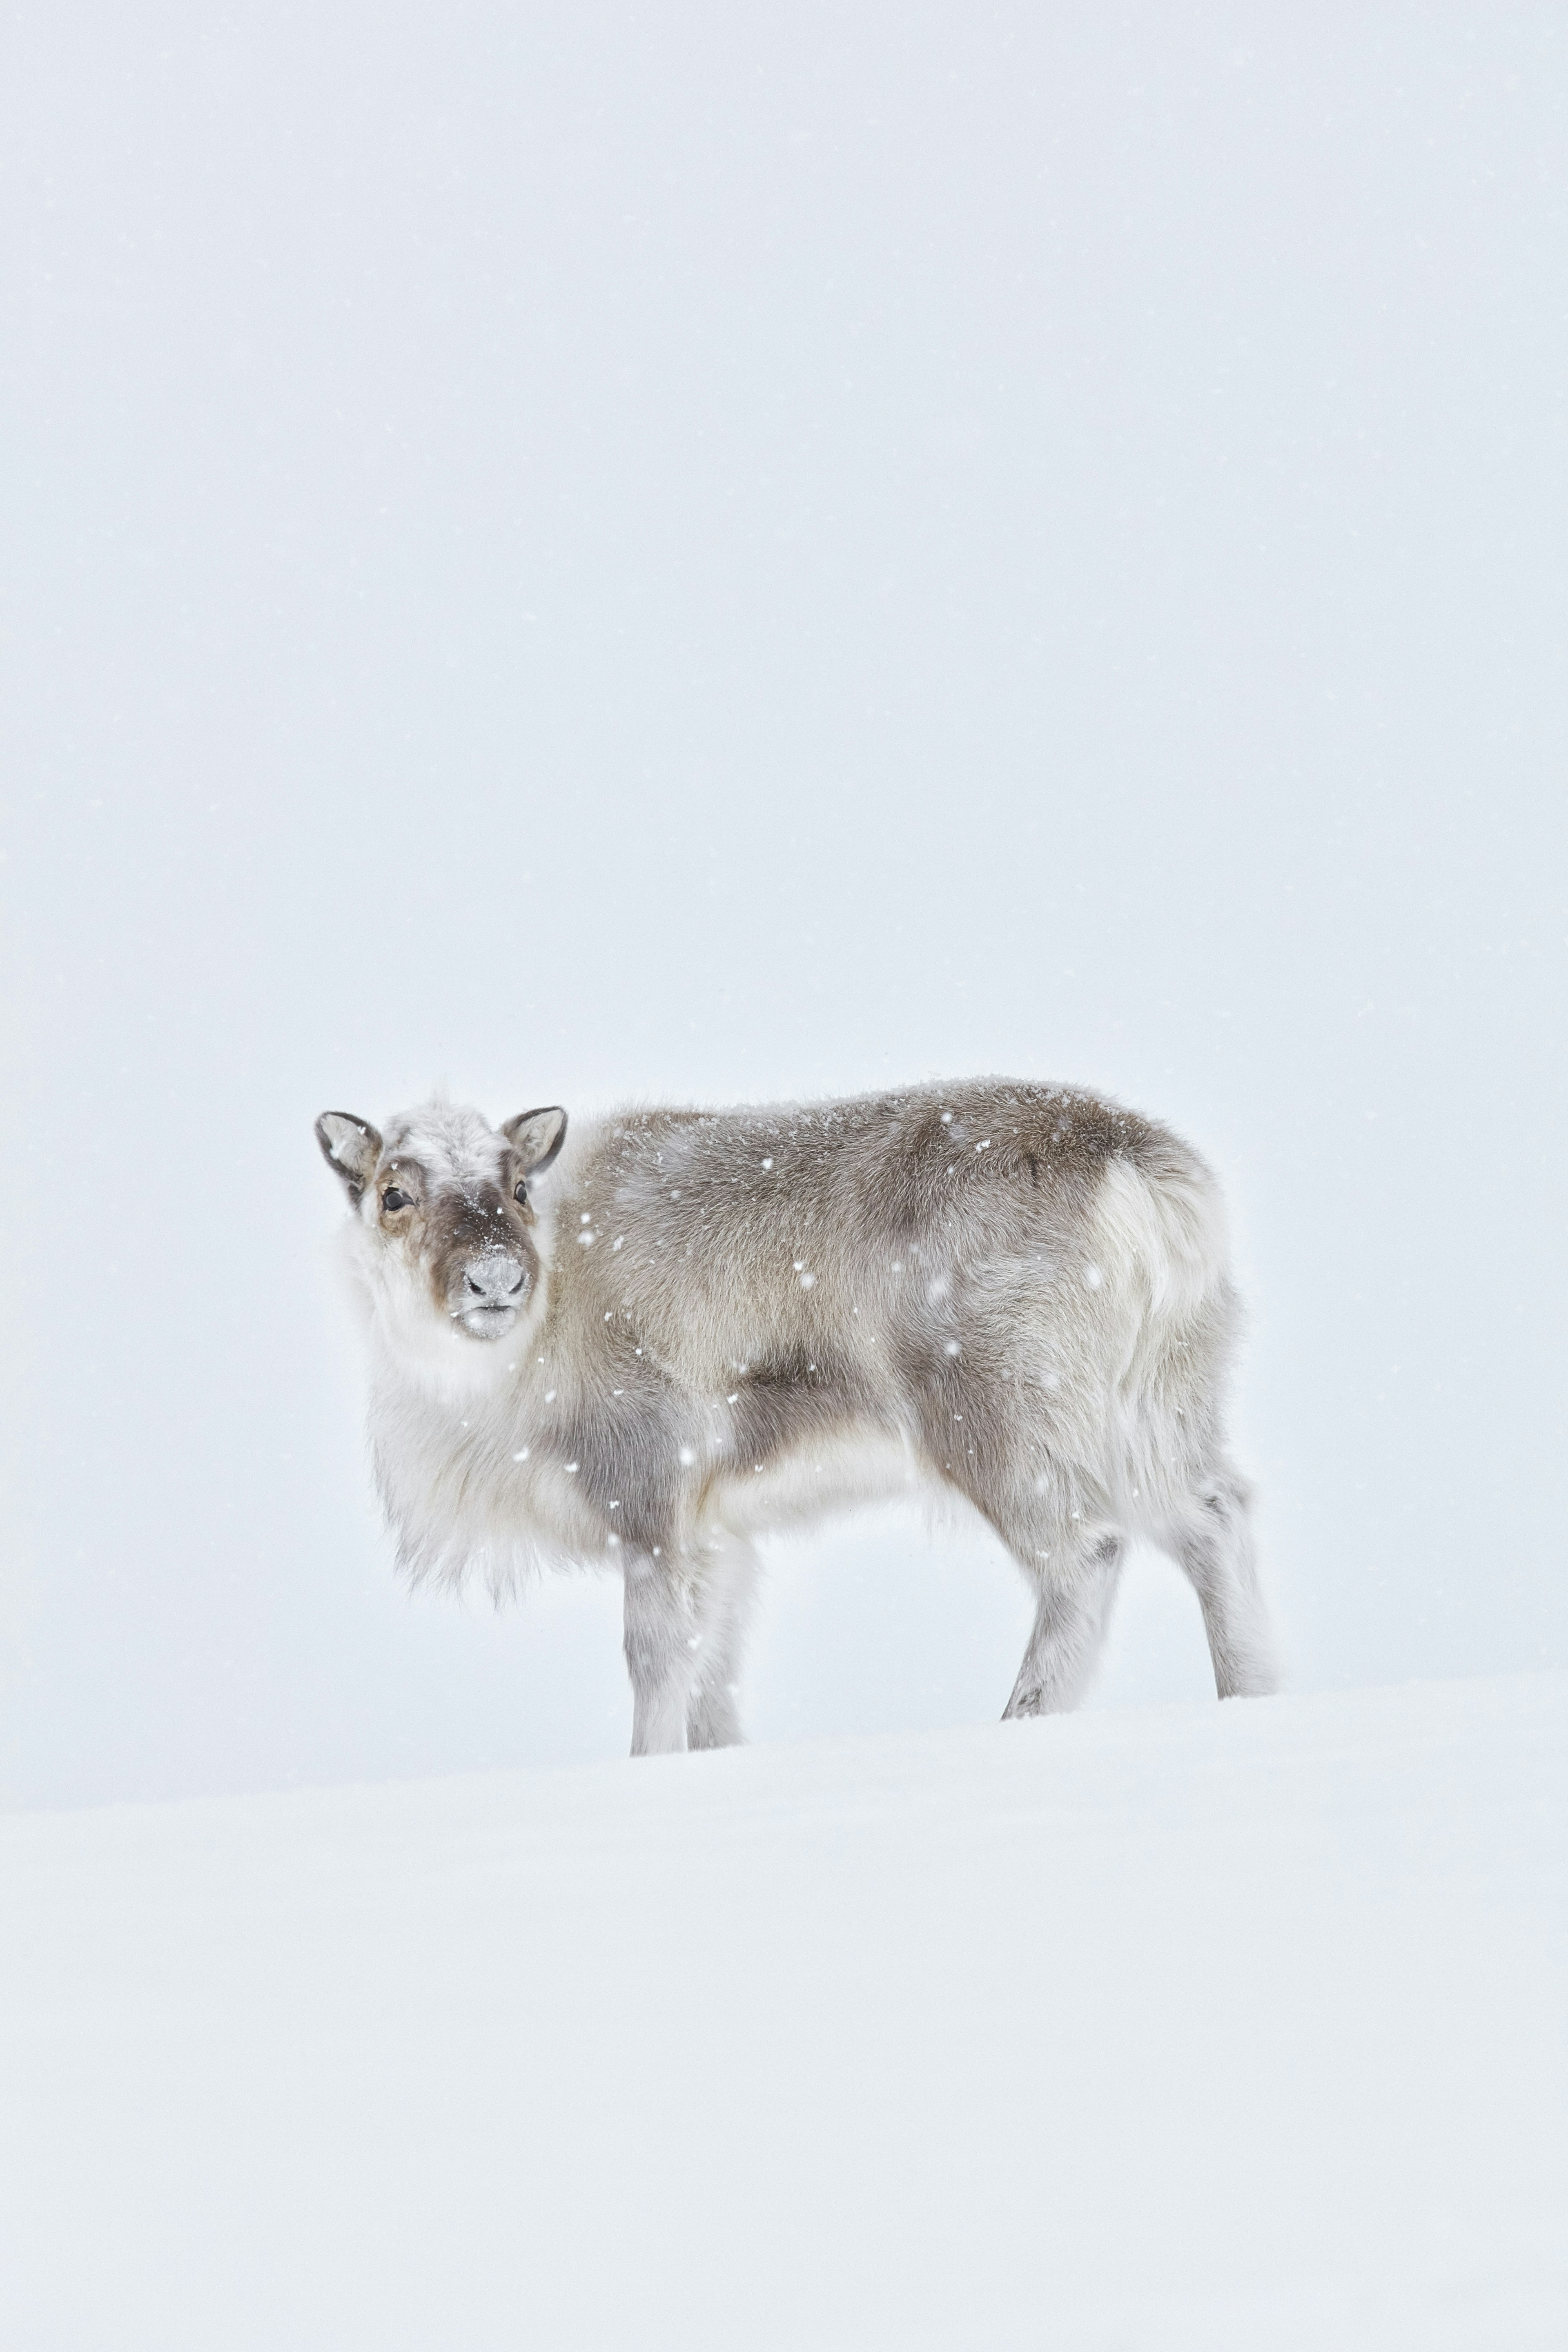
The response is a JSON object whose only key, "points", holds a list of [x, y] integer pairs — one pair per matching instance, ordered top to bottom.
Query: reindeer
{"points": [[648, 1347]]}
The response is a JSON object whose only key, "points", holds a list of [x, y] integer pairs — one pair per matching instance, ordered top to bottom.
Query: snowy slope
{"points": [[1231, 2028]]}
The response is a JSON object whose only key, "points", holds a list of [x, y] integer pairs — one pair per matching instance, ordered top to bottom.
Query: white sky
{"points": [[717, 554]]}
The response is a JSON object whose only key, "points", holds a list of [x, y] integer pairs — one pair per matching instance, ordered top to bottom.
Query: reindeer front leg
{"points": [[725, 1592], [662, 1641]]}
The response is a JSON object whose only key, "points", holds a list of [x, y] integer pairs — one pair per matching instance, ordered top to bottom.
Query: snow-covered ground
{"points": [[1229, 2027]]}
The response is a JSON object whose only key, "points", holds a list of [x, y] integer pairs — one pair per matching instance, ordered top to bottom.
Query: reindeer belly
{"points": [[811, 1479]]}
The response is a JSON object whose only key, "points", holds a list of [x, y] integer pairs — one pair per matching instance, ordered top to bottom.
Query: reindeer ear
{"points": [[536, 1136], [351, 1147]]}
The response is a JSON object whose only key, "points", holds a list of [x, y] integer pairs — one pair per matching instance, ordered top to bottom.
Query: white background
{"points": [[716, 553]]}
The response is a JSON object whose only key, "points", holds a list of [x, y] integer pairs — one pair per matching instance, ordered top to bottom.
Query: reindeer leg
{"points": [[1212, 1540], [1076, 1591], [725, 1595], [662, 1640]]}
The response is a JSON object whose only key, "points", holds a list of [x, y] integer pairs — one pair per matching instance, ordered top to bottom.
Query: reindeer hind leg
{"points": [[1211, 1539], [1076, 1587]]}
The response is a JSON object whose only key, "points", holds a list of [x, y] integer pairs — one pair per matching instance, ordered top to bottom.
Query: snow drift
{"points": [[1235, 2027]]}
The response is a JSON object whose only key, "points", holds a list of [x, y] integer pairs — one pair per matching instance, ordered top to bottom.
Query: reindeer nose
{"points": [[496, 1280]]}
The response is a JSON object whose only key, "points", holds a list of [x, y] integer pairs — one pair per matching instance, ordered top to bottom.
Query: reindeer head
{"points": [[444, 1220]]}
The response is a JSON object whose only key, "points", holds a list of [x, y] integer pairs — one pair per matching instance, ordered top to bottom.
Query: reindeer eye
{"points": [[520, 1193], [392, 1200]]}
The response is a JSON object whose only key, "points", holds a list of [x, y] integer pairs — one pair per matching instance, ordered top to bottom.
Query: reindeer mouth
{"points": [[487, 1319], [487, 1322]]}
